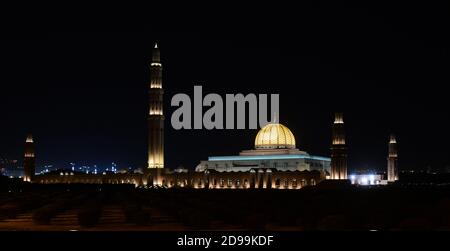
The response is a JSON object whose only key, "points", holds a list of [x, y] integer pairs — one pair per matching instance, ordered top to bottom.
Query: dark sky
{"points": [[83, 93]]}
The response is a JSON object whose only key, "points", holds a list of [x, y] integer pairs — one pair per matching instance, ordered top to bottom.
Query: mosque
{"points": [[274, 149], [275, 162]]}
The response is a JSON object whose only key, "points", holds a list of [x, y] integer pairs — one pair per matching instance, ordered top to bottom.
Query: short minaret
{"points": [[156, 114], [338, 149], [29, 162], [392, 167]]}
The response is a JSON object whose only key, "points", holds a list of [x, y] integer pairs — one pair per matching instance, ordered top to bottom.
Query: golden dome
{"points": [[274, 136]]}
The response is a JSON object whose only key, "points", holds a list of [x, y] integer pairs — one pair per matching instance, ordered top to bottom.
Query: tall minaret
{"points": [[156, 115], [338, 149], [29, 162], [392, 168]]}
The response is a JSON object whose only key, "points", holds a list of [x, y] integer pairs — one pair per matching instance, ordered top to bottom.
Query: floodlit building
{"points": [[275, 149]]}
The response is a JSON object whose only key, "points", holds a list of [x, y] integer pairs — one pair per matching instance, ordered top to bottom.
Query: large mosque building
{"points": [[275, 149], [275, 162]]}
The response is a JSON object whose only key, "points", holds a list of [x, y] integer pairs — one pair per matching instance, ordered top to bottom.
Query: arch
{"points": [[277, 182], [294, 183]]}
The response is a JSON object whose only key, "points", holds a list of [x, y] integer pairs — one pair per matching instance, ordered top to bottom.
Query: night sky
{"points": [[83, 93]]}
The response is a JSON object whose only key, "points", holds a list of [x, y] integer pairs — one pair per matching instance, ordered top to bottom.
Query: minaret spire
{"points": [[156, 56], [156, 113], [338, 149], [29, 161], [392, 168]]}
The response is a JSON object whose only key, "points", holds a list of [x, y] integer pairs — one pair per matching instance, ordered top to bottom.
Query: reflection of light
{"points": [[352, 177]]}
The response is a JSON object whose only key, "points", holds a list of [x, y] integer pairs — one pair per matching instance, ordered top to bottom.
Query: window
{"points": [[222, 182], [230, 182], [277, 182], [238, 183], [294, 183]]}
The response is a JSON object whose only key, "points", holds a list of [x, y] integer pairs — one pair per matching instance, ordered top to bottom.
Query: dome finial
{"points": [[156, 45], [274, 118]]}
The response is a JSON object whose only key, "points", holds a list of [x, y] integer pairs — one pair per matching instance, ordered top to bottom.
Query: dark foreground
{"points": [[125, 208]]}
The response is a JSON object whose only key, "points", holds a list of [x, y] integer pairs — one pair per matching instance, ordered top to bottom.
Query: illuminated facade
{"points": [[156, 113], [274, 149], [338, 149], [29, 161], [275, 163], [392, 165]]}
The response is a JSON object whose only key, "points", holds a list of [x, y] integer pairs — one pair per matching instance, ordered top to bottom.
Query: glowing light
{"points": [[155, 64], [156, 112], [339, 118], [274, 136], [29, 139], [392, 139], [338, 141], [268, 157], [364, 181]]}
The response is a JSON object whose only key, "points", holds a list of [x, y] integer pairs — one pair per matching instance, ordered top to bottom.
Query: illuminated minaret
{"points": [[156, 116], [338, 149], [29, 162], [392, 168]]}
